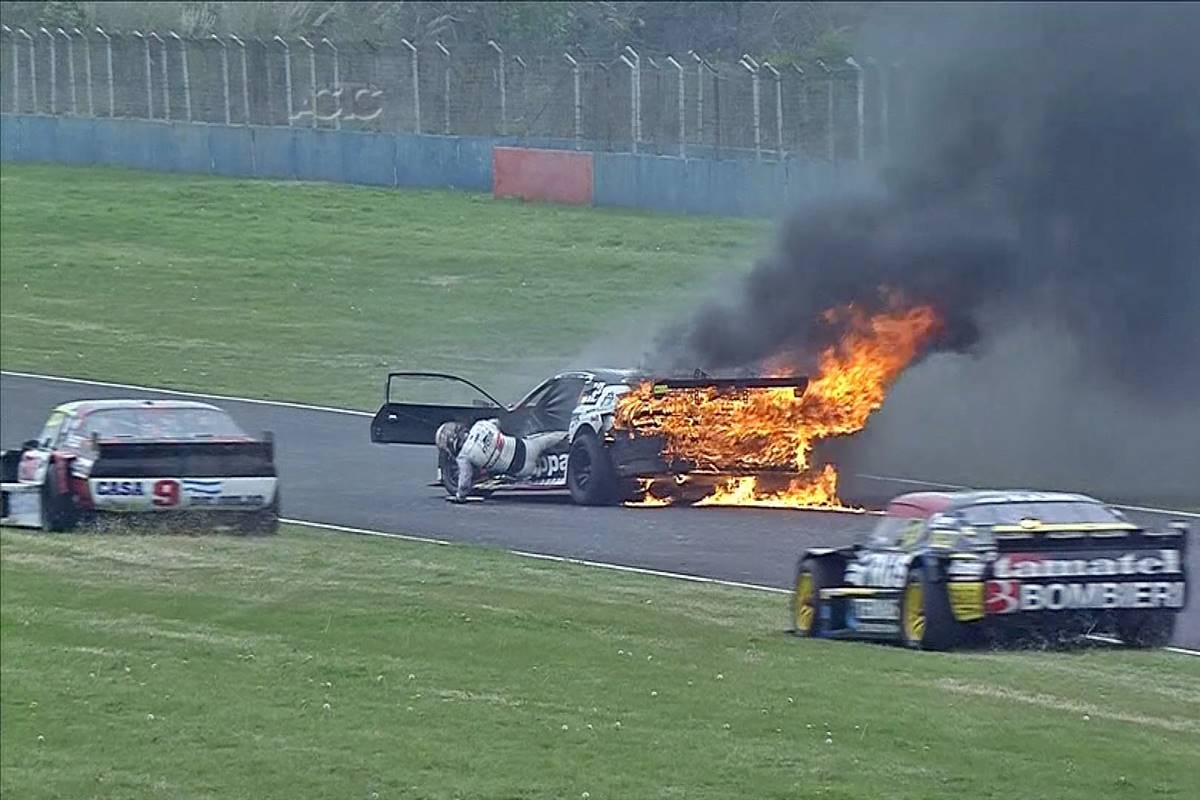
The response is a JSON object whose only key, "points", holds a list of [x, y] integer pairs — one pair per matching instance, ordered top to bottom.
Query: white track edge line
{"points": [[181, 393], [353, 412], [583, 562]]}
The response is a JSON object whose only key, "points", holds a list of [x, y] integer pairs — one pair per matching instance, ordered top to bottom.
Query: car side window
{"points": [[561, 399], [52, 430], [894, 531]]}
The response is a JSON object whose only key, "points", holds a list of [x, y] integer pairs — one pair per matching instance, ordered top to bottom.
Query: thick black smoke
{"points": [[1050, 169], [1044, 194]]}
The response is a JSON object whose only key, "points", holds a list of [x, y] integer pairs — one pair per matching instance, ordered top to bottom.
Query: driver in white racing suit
{"points": [[485, 447]]}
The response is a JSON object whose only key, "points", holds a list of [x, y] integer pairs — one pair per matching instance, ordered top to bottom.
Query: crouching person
{"points": [[485, 448]]}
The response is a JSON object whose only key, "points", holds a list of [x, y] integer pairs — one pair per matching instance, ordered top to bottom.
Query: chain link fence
{"points": [[632, 102]]}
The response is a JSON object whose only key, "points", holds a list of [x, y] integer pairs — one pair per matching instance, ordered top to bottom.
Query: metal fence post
{"points": [[412, 49], [520, 62], [87, 63], [751, 66], [16, 68], [32, 69], [70, 69], [679, 70], [53, 72], [224, 74], [716, 74], [287, 75], [312, 76], [149, 77], [166, 77], [245, 81], [187, 84], [337, 85], [445, 88], [503, 92], [637, 94], [699, 96], [112, 100], [578, 101], [632, 101], [778, 107], [801, 107], [859, 107], [830, 144]]}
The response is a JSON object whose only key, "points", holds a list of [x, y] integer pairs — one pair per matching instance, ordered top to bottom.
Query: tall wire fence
{"points": [[629, 102]]}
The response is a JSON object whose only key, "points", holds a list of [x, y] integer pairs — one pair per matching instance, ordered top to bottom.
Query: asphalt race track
{"points": [[331, 473]]}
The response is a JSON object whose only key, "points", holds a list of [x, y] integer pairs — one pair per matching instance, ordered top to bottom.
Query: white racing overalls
{"points": [[487, 448]]}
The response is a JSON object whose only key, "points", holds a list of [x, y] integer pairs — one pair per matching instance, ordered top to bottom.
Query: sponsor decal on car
{"points": [[551, 465], [120, 488], [181, 493], [1033, 565], [878, 569], [1010, 596], [966, 600], [876, 608]]}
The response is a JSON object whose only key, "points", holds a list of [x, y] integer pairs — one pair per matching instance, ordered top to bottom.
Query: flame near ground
{"points": [[753, 447]]}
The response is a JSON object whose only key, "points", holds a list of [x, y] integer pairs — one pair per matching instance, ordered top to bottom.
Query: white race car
{"points": [[139, 457]]}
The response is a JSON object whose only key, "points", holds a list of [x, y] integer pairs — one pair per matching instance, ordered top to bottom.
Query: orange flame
{"points": [[746, 435]]}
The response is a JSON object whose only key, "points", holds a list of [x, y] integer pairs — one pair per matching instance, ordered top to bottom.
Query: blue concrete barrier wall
{"points": [[377, 159], [735, 187], [725, 188]]}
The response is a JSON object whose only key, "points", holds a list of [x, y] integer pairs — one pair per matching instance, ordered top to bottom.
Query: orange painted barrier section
{"points": [[559, 176]]}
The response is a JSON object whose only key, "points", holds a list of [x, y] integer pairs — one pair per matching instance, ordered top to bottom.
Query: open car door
{"points": [[417, 403]]}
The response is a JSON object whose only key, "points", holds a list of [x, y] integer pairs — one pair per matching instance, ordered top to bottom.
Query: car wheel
{"points": [[591, 478], [264, 522], [812, 575], [926, 621], [1153, 629]]}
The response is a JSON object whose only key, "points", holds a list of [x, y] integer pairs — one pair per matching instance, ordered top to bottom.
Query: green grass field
{"points": [[310, 292], [317, 665], [178, 666]]}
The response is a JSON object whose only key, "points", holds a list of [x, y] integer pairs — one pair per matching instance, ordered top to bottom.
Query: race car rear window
{"points": [[160, 423], [1058, 512]]}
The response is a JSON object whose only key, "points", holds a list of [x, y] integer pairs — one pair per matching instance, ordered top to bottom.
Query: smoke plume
{"points": [[1045, 176]]}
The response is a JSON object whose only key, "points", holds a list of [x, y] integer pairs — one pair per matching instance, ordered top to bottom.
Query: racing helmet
{"points": [[450, 436]]}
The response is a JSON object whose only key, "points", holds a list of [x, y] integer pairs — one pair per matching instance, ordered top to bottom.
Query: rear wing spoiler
{"points": [[664, 385], [193, 459]]}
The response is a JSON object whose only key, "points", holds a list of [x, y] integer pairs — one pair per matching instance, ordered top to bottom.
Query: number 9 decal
{"points": [[166, 493]]}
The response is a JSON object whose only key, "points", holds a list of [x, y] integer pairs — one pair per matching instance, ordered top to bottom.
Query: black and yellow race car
{"points": [[944, 567]]}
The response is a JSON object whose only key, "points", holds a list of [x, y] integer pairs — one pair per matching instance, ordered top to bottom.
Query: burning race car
{"points": [[612, 450], [160, 457], [942, 567]]}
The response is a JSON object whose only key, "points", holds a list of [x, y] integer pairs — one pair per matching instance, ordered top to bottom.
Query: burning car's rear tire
{"points": [[591, 478], [1146, 629]]}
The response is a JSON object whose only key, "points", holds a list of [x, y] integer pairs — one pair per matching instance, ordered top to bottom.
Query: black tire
{"points": [[591, 478], [58, 510], [264, 522], [820, 574], [931, 624], [1146, 629]]}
